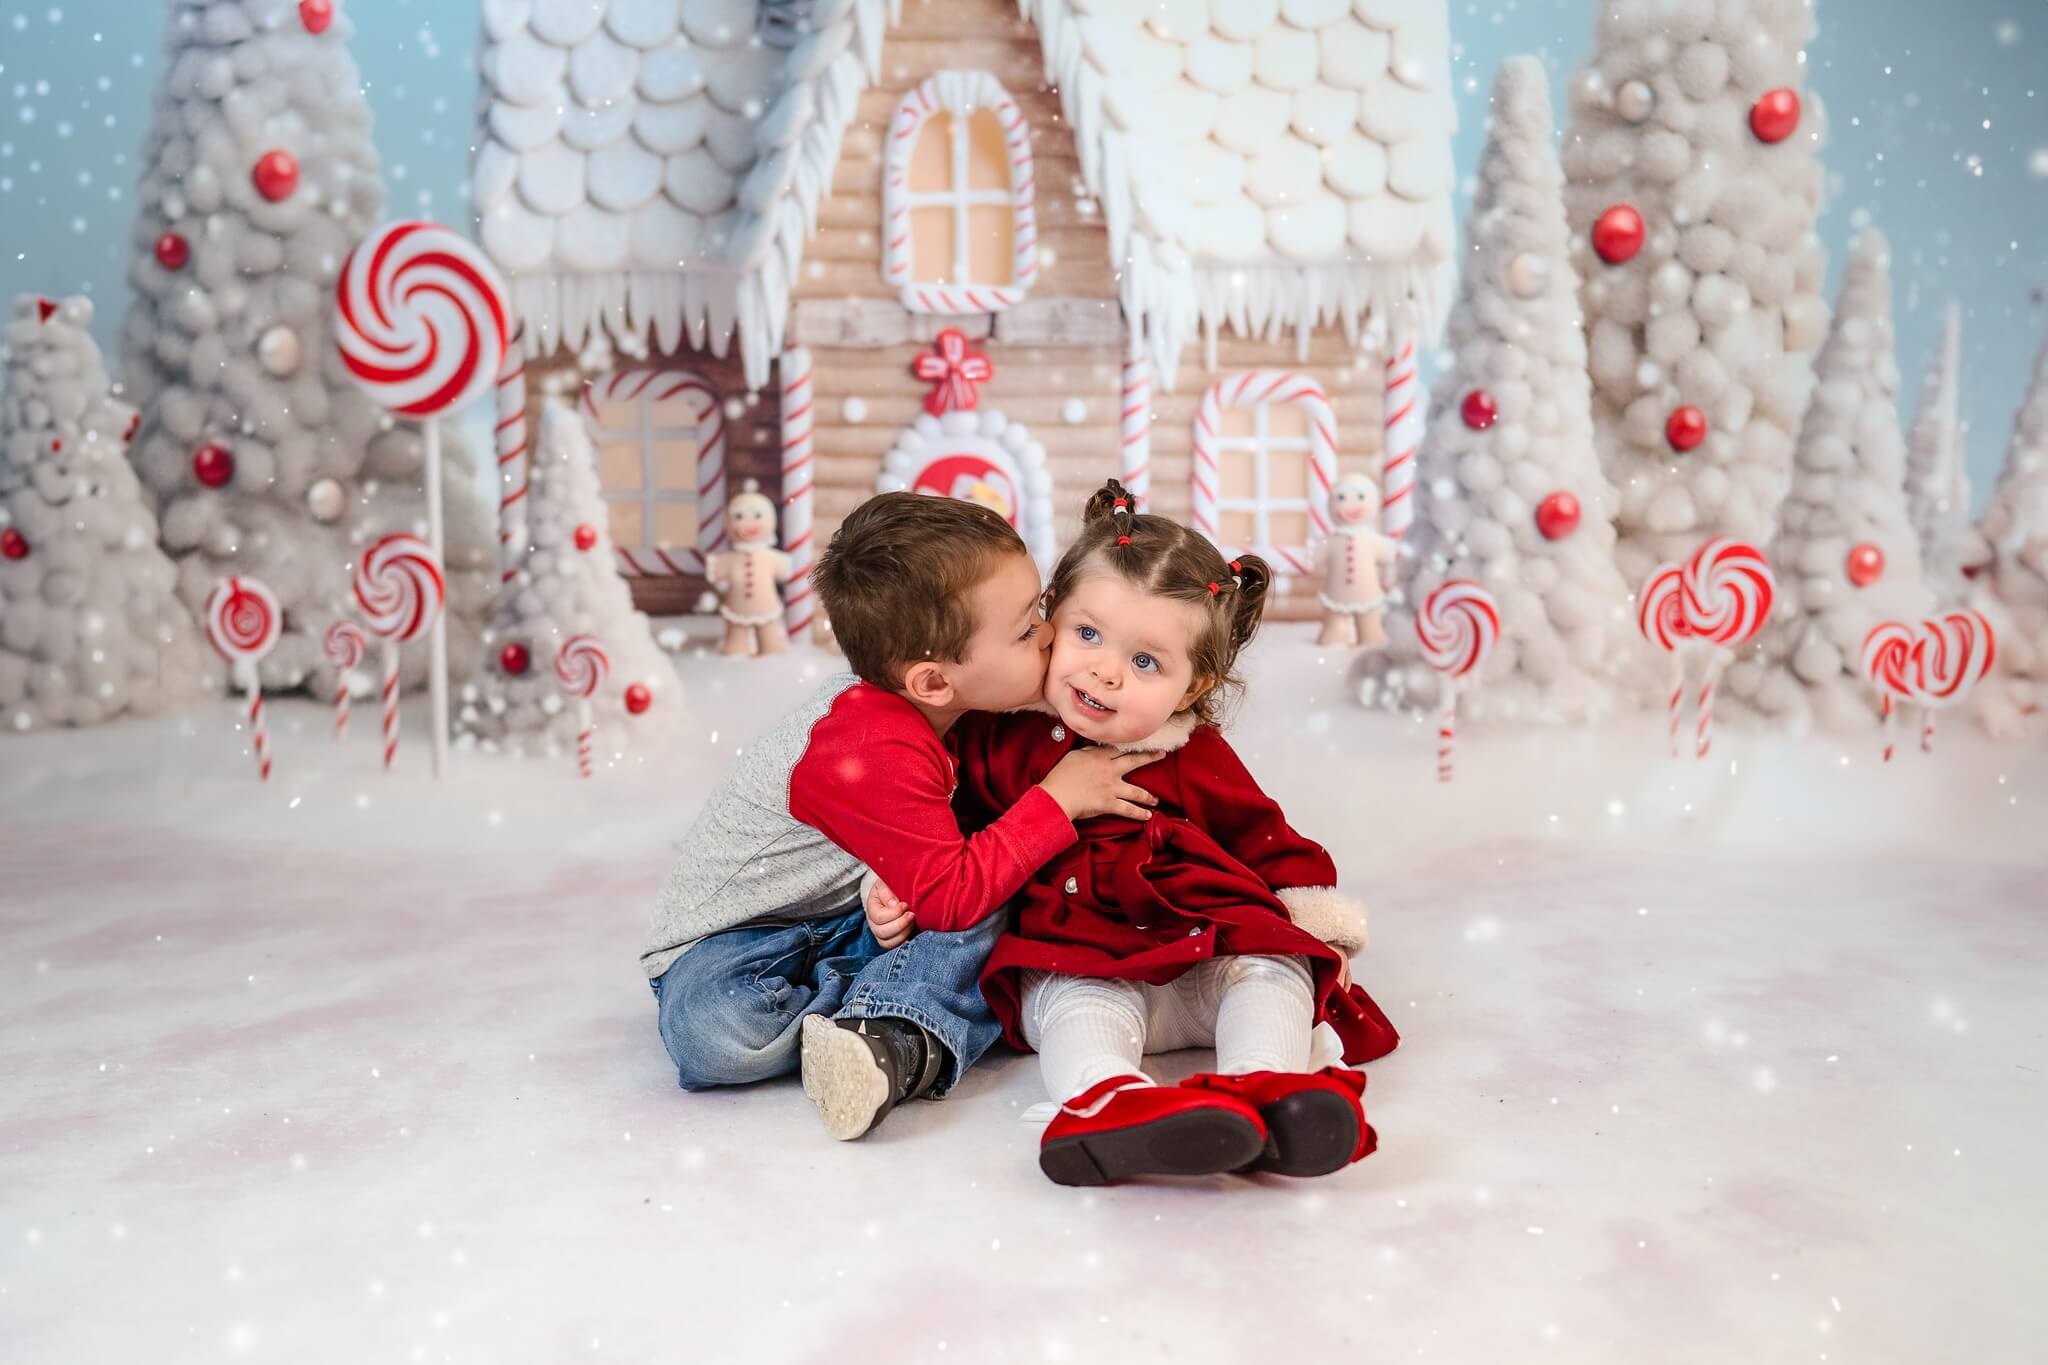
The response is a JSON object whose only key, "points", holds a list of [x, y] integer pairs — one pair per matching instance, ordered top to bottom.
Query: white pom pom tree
{"points": [[1720, 309], [1510, 441], [263, 455], [1936, 484], [1848, 493], [568, 586], [2013, 594], [90, 622]]}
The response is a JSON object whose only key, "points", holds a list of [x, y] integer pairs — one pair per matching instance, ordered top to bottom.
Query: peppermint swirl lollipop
{"points": [[422, 322], [400, 589], [243, 622], [1458, 626], [344, 645], [580, 667]]}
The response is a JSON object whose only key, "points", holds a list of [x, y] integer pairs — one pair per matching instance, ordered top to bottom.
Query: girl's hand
{"points": [[889, 919]]}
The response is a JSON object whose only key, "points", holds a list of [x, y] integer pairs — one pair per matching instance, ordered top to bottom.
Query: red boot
{"points": [[1315, 1120], [1128, 1126]]}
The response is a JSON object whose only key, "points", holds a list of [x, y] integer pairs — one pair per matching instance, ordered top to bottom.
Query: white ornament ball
{"points": [[1635, 101], [1528, 275], [278, 351], [735, 409], [854, 410], [1073, 412], [325, 500]]}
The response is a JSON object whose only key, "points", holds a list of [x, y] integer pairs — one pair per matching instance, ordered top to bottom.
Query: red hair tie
{"points": [[1119, 505], [1123, 540], [1236, 566], [1215, 590]]}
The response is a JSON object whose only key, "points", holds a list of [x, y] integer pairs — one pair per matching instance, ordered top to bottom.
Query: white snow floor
{"points": [[1741, 1061]]}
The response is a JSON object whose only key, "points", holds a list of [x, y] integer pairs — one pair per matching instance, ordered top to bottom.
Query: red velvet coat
{"points": [[1146, 900]]}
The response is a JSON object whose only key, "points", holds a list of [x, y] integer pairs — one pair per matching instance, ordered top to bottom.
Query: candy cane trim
{"points": [[961, 94], [631, 386], [1249, 390], [513, 464], [799, 480]]}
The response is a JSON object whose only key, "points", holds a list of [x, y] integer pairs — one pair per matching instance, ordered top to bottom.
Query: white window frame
{"points": [[646, 389], [1260, 390]]}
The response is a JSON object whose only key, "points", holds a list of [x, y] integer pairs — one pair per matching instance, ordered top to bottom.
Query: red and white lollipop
{"points": [[1729, 588], [400, 590], [243, 622], [1458, 626], [344, 645], [1934, 665], [580, 667]]}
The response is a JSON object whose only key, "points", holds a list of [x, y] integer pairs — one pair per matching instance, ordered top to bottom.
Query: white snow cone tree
{"points": [[1692, 142], [264, 456], [1936, 482], [1510, 491], [1847, 498], [568, 586], [2013, 594], [90, 622]]}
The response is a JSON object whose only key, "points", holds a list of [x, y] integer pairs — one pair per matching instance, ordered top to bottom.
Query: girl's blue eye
{"points": [[1088, 635], [1146, 663]]}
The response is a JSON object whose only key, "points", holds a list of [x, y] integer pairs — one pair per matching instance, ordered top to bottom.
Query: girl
{"points": [[1212, 923]]}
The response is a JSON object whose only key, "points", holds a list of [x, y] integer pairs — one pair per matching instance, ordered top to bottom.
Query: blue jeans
{"points": [[732, 1007]]}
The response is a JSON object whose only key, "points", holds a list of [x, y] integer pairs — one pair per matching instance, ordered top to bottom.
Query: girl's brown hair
{"points": [[1163, 558]]}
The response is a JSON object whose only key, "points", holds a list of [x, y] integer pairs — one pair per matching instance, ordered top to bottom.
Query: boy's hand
{"points": [[1091, 782], [889, 919], [1343, 971]]}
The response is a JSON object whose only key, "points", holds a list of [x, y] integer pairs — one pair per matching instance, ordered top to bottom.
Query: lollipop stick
{"points": [[437, 665], [1677, 696], [390, 704], [341, 706], [1706, 708], [586, 720], [1887, 727], [1927, 731], [1447, 732], [259, 736]]}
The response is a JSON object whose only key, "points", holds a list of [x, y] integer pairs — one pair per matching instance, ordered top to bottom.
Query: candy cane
{"points": [[659, 386], [1254, 388], [1405, 415], [1135, 425], [513, 465], [799, 477], [401, 591], [1726, 594], [244, 622], [1458, 626], [344, 643], [580, 667]]}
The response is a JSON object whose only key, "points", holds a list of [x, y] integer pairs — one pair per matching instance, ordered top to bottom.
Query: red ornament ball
{"points": [[316, 15], [1775, 116], [276, 175], [1618, 234], [173, 251], [1479, 411], [1686, 429], [56, 446], [213, 465], [1557, 516], [586, 537], [13, 544], [1866, 564], [514, 659], [639, 698]]}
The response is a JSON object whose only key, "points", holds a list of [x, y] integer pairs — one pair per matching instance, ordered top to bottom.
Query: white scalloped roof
{"points": [[656, 163]]}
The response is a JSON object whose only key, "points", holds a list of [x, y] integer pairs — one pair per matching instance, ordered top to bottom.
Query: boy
{"points": [[760, 952]]}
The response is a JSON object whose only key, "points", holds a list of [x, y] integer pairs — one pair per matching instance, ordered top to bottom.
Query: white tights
{"points": [[1256, 1011]]}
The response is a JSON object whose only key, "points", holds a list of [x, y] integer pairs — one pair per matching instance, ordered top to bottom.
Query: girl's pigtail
{"points": [[1246, 602]]}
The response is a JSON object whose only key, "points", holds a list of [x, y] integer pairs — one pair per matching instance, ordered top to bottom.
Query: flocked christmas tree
{"points": [[1693, 186], [265, 458], [1936, 484], [1510, 490], [1846, 555], [569, 585], [2013, 594], [90, 622]]}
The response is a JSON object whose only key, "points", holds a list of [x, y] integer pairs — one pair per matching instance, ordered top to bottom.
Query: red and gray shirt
{"points": [[854, 778]]}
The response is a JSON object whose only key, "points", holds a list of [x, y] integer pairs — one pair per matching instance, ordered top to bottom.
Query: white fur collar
{"points": [[1179, 728]]}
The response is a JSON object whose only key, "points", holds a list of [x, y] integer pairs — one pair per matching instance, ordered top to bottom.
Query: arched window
{"points": [[960, 230], [661, 445], [1265, 456]]}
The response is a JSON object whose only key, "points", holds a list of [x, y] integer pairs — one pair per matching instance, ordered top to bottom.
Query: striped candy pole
{"points": [[799, 419], [1136, 425], [1403, 435], [512, 460], [1726, 591], [401, 592], [244, 622], [1458, 625], [580, 667], [390, 705], [1447, 732], [1704, 737]]}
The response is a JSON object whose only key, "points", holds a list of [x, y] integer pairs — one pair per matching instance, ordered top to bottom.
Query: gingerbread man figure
{"points": [[1358, 563], [748, 576]]}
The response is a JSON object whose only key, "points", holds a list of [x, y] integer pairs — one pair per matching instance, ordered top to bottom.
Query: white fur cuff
{"points": [[1329, 914]]}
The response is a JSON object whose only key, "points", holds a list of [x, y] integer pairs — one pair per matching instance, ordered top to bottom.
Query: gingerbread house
{"points": [[972, 248]]}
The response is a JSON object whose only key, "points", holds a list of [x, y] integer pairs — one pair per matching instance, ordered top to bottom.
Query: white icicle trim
{"points": [[1329, 914]]}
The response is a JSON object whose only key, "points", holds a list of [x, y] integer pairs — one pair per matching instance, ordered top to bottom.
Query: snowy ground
{"points": [[1740, 1061]]}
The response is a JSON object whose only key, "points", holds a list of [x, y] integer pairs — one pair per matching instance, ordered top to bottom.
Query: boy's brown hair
{"points": [[1163, 558], [894, 581]]}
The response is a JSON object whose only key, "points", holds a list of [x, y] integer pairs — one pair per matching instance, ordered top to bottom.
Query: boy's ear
{"points": [[926, 683]]}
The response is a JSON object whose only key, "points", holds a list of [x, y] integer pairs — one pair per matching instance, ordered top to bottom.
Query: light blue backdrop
{"points": [[1940, 137]]}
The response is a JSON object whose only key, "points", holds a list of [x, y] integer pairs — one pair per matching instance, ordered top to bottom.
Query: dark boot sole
{"points": [[1312, 1133], [1197, 1142]]}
